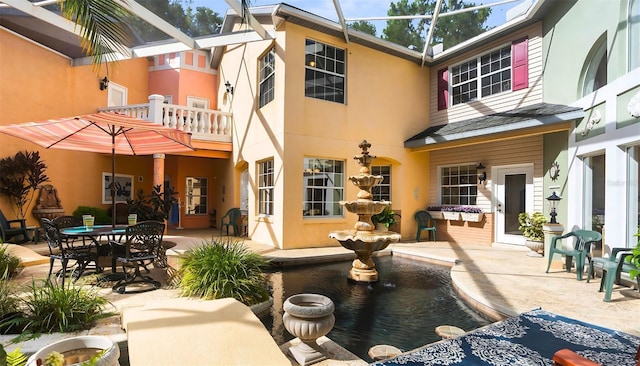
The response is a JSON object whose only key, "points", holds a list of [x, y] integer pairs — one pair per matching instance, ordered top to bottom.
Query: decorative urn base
{"points": [[364, 243], [537, 248], [308, 317]]}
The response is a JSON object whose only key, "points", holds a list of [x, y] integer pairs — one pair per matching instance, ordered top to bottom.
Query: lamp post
{"points": [[553, 201]]}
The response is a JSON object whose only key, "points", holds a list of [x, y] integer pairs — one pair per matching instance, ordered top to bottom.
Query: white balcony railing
{"points": [[204, 124]]}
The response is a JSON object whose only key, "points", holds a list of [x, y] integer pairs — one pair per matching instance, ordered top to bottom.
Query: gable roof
{"points": [[535, 115]]}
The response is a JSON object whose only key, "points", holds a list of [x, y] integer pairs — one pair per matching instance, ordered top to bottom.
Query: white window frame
{"points": [[633, 36], [318, 61], [474, 67], [591, 72], [267, 75], [117, 95], [197, 102], [385, 172], [465, 172], [265, 187], [322, 187], [196, 192], [633, 194]]}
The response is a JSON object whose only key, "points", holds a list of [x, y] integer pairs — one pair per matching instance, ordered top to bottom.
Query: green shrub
{"points": [[101, 215], [387, 217], [531, 225], [635, 257], [9, 263], [219, 269], [53, 308], [11, 317]]}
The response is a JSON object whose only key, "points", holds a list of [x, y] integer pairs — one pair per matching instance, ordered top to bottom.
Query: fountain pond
{"points": [[402, 309]]}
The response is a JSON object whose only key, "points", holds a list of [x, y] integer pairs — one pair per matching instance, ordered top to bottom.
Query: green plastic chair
{"points": [[231, 218], [425, 222], [584, 239], [612, 268]]}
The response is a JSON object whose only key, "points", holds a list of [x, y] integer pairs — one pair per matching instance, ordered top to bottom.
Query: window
{"points": [[634, 34], [504, 69], [324, 72], [596, 75], [494, 76], [267, 77], [116, 95], [197, 102], [458, 185], [265, 187], [323, 187], [382, 192], [594, 192], [196, 200], [633, 210]]}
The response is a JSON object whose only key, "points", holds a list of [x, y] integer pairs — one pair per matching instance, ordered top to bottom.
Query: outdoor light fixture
{"points": [[104, 83], [229, 87], [482, 177], [553, 201]]}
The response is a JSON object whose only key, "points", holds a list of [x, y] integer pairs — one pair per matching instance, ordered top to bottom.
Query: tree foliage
{"points": [[179, 13], [364, 26], [449, 30], [20, 176]]}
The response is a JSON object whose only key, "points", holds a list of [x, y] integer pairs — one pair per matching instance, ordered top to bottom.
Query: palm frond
{"points": [[103, 27]]}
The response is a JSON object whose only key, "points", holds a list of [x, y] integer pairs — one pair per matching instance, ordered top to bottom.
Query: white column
{"points": [[155, 108]]}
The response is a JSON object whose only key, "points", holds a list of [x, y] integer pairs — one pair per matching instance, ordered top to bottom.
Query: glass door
{"points": [[514, 194]]}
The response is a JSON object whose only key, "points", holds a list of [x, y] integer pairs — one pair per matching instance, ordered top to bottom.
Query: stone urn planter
{"points": [[536, 246], [308, 317], [77, 350]]}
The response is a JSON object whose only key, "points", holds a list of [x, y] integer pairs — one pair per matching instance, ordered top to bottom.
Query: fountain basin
{"points": [[365, 207], [359, 240], [364, 243]]}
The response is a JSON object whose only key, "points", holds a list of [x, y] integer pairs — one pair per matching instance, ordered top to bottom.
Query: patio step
{"points": [[27, 256], [197, 332]]}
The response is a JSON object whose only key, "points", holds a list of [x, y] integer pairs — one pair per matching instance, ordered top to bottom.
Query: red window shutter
{"points": [[520, 64], [443, 89]]}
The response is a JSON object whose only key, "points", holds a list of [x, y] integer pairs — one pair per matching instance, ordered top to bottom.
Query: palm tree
{"points": [[104, 26]]}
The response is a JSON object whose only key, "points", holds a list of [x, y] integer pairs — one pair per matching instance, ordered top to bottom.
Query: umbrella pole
{"points": [[113, 181]]}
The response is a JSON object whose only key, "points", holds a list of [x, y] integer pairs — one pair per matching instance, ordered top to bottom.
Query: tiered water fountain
{"points": [[364, 240]]}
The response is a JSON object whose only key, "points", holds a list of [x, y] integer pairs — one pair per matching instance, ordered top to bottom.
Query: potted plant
{"points": [[21, 176], [435, 212], [450, 213], [471, 213], [384, 219], [531, 227]]}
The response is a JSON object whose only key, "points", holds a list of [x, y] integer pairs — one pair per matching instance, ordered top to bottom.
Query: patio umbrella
{"points": [[103, 132]]}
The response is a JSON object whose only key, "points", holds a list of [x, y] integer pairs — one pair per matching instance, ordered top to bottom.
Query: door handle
{"points": [[499, 207]]}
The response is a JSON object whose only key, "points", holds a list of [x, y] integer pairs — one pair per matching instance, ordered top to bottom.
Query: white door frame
{"points": [[499, 198]]}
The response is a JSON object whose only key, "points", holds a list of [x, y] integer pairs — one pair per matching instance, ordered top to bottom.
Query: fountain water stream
{"points": [[364, 240]]}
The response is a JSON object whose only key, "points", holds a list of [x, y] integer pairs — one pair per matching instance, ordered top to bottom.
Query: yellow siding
{"points": [[499, 102], [526, 150]]}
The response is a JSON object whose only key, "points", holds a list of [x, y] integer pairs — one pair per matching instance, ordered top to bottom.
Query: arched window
{"points": [[634, 34], [595, 76]]}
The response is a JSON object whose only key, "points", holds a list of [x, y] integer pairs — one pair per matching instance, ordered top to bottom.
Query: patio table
{"points": [[94, 233]]}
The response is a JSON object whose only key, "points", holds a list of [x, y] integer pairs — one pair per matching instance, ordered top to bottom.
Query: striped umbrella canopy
{"points": [[103, 132]]}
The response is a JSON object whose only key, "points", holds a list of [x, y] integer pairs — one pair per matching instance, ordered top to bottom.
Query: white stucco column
{"points": [[156, 102], [158, 170], [551, 230]]}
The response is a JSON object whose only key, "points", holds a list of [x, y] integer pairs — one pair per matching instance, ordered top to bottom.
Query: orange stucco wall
{"points": [[38, 84]]}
